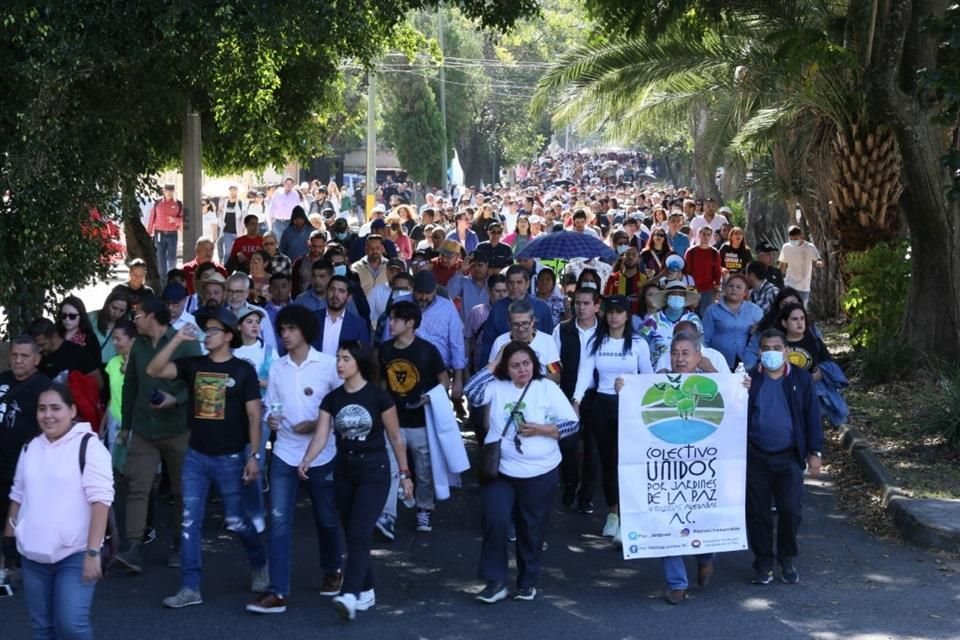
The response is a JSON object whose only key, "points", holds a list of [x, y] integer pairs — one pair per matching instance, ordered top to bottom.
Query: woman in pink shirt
{"points": [[61, 495]]}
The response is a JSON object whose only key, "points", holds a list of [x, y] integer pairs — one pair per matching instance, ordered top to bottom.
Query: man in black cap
{"points": [[767, 254], [175, 296], [441, 325], [224, 417]]}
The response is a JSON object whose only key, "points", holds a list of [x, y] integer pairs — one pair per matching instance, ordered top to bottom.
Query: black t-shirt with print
{"points": [[735, 260], [807, 353], [410, 373], [217, 413], [18, 417], [356, 417]]}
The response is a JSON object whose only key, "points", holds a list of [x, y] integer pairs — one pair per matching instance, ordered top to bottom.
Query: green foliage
{"points": [[95, 93], [412, 126], [738, 217], [877, 293], [886, 358], [940, 415]]}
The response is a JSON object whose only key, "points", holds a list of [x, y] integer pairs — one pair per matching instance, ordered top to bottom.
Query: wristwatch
{"points": [[255, 455], [93, 553]]}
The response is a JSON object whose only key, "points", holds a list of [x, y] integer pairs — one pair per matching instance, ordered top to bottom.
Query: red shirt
{"points": [[166, 215], [245, 245], [704, 266], [443, 272], [630, 286]]}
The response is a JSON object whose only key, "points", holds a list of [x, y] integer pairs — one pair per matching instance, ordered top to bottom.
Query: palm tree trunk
{"points": [[704, 162]]}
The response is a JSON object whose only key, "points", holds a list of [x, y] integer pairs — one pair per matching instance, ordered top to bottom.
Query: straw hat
{"points": [[691, 298]]}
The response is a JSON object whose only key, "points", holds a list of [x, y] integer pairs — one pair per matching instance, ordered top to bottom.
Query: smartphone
{"points": [[517, 418]]}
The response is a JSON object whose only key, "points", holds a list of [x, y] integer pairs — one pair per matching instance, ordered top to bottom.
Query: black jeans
{"points": [[604, 418], [578, 467], [776, 476], [362, 481], [526, 501]]}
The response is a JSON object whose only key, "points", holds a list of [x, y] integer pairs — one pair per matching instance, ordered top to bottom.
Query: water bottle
{"points": [[740, 369], [410, 502]]}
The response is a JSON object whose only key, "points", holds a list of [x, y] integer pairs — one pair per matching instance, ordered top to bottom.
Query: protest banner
{"points": [[683, 464]]}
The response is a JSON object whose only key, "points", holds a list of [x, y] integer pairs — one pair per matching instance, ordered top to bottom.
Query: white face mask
{"points": [[795, 243]]}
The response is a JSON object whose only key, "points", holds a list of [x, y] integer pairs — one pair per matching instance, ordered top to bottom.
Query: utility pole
{"points": [[443, 98], [192, 183], [371, 188]]}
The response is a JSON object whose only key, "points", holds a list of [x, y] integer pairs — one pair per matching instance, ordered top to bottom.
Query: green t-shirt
{"points": [[115, 374]]}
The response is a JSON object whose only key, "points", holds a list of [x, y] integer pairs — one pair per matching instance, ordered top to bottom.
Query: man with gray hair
{"points": [[238, 289], [523, 321], [711, 360]]}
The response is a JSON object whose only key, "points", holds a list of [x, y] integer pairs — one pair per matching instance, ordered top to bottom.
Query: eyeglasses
{"points": [[659, 235], [69, 316], [522, 325], [209, 330]]}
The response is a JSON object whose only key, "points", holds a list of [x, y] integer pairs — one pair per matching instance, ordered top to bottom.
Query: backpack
{"points": [[111, 536]]}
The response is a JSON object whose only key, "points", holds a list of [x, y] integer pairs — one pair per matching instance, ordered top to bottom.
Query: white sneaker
{"points": [[423, 521], [611, 526], [366, 600], [346, 605]]}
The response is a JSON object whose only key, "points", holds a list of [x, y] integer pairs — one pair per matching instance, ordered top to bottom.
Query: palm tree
{"points": [[769, 76]]}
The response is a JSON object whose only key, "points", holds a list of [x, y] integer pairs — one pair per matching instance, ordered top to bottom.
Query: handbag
{"points": [[489, 467]]}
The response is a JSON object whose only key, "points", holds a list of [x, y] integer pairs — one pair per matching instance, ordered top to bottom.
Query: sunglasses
{"points": [[69, 316]]}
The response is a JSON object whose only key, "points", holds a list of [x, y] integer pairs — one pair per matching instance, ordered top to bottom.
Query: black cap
{"points": [[765, 247], [478, 256], [396, 263], [424, 282], [174, 292], [616, 302], [225, 317]]}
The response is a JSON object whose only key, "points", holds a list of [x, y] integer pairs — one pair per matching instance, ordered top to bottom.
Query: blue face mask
{"points": [[341, 235], [622, 248], [340, 270], [675, 303], [772, 360]]}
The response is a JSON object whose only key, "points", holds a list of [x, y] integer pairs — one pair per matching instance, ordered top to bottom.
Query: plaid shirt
{"points": [[280, 263], [764, 296]]}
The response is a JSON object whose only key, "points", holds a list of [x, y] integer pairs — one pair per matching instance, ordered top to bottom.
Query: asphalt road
{"points": [[852, 586]]}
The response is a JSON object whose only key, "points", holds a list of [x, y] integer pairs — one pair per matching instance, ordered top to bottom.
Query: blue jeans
{"points": [[279, 226], [165, 243], [225, 245], [804, 298], [706, 299], [226, 472], [362, 481], [284, 483], [253, 491], [528, 502], [675, 571], [58, 600]]}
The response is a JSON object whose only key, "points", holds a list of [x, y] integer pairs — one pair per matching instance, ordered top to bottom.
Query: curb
{"points": [[929, 523]]}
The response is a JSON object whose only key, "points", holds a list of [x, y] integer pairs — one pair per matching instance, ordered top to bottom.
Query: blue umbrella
{"points": [[567, 245]]}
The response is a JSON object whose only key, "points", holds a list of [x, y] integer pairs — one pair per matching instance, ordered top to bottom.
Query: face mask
{"points": [[341, 236], [795, 243], [622, 249], [340, 270], [675, 303], [772, 360]]}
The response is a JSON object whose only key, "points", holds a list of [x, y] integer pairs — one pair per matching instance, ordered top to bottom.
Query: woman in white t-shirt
{"points": [[614, 351], [529, 414]]}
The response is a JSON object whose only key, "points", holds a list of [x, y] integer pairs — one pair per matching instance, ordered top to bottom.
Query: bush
{"points": [[877, 295], [885, 358], [940, 415]]}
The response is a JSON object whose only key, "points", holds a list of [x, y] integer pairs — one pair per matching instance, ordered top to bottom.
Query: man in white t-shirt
{"points": [[710, 218], [797, 260], [523, 327]]}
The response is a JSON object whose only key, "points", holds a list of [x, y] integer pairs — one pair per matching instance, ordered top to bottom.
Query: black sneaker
{"points": [[585, 507], [788, 573], [763, 576], [493, 592], [527, 593]]}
